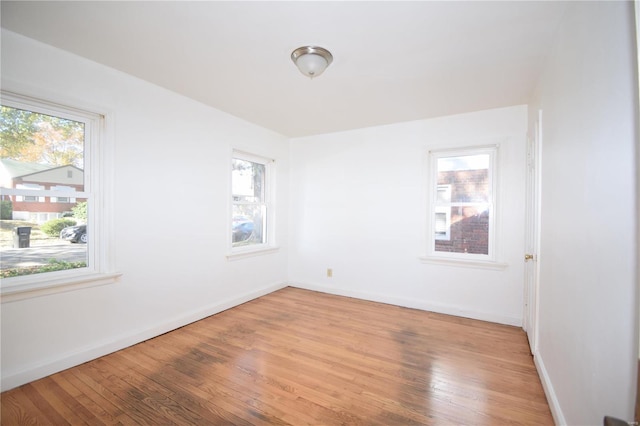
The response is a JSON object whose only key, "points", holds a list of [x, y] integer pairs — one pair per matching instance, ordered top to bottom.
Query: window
{"points": [[53, 155], [29, 198], [59, 199], [462, 204], [442, 223], [251, 224]]}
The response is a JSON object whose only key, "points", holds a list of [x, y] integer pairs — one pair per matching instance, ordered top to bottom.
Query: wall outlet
{"points": [[329, 272]]}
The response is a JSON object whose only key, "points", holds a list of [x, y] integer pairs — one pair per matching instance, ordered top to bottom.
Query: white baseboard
{"points": [[411, 303], [77, 357], [552, 399]]}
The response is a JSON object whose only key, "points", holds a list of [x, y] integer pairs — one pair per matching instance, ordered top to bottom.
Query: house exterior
{"points": [[39, 209]]}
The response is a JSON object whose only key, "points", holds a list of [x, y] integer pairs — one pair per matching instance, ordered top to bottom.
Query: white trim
{"points": [[636, 4], [47, 107], [493, 150], [254, 158], [98, 188], [43, 192], [269, 245], [252, 252], [465, 263], [28, 289], [531, 295], [412, 303], [37, 371], [552, 398]]}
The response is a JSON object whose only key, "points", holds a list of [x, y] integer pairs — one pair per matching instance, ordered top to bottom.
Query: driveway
{"points": [[33, 256]]}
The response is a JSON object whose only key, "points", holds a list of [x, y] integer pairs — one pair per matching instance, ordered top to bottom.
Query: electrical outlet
{"points": [[329, 272]]}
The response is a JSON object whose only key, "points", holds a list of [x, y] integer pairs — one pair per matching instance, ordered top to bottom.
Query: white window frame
{"points": [[98, 158], [30, 187], [67, 198], [447, 215], [269, 245], [489, 260]]}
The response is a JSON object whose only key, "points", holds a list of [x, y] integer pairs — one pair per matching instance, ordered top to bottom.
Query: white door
{"points": [[532, 237]]}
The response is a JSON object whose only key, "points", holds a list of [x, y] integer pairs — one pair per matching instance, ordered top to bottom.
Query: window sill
{"points": [[258, 251], [482, 264], [28, 289]]}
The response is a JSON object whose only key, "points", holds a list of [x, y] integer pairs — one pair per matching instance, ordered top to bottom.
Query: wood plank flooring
{"points": [[300, 357]]}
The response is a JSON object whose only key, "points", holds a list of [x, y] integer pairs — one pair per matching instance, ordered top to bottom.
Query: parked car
{"points": [[242, 229], [75, 234]]}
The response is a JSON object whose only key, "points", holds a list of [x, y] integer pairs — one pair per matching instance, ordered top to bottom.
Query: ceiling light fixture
{"points": [[311, 60]]}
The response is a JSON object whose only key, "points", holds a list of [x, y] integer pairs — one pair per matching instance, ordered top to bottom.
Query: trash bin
{"points": [[22, 237]]}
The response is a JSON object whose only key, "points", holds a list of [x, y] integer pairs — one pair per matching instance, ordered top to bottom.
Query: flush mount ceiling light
{"points": [[311, 60]]}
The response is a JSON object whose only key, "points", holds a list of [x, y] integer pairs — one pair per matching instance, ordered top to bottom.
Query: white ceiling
{"points": [[393, 61]]}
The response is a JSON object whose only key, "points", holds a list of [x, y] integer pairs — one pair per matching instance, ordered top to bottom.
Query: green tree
{"points": [[17, 128], [38, 138], [6, 210], [80, 211], [53, 227]]}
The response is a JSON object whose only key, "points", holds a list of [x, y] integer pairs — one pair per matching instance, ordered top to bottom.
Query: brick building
{"points": [[39, 209], [463, 212]]}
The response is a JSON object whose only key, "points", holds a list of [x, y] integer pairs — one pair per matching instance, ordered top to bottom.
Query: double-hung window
{"points": [[53, 190], [462, 204], [252, 209]]}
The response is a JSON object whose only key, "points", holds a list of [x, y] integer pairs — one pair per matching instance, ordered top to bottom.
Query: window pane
{"points": [[41, 150], [467, 177], [247, 180], [443, 194], [248, 225], [441, 226], [463, 228], [468, 230], [44, 241]]}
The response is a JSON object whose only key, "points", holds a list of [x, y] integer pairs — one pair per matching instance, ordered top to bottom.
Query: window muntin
{"points": [[46, 156], [250, 193], [462, 214]]}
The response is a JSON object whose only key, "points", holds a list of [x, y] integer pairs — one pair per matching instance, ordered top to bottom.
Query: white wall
{"points": [[171, 206], [358, 207], [587, 341]]}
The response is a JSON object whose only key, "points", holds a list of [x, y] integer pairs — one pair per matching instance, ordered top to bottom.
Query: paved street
{"points": [[22, 257]]}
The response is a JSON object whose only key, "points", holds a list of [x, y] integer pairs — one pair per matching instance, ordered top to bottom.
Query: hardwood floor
{"points": [[300, 357]]}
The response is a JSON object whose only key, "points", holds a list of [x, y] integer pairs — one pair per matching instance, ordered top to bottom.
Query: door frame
{"points": [[532, 234]]}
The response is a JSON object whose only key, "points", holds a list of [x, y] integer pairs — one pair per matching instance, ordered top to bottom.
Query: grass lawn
{"points": [[38, 237]]}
